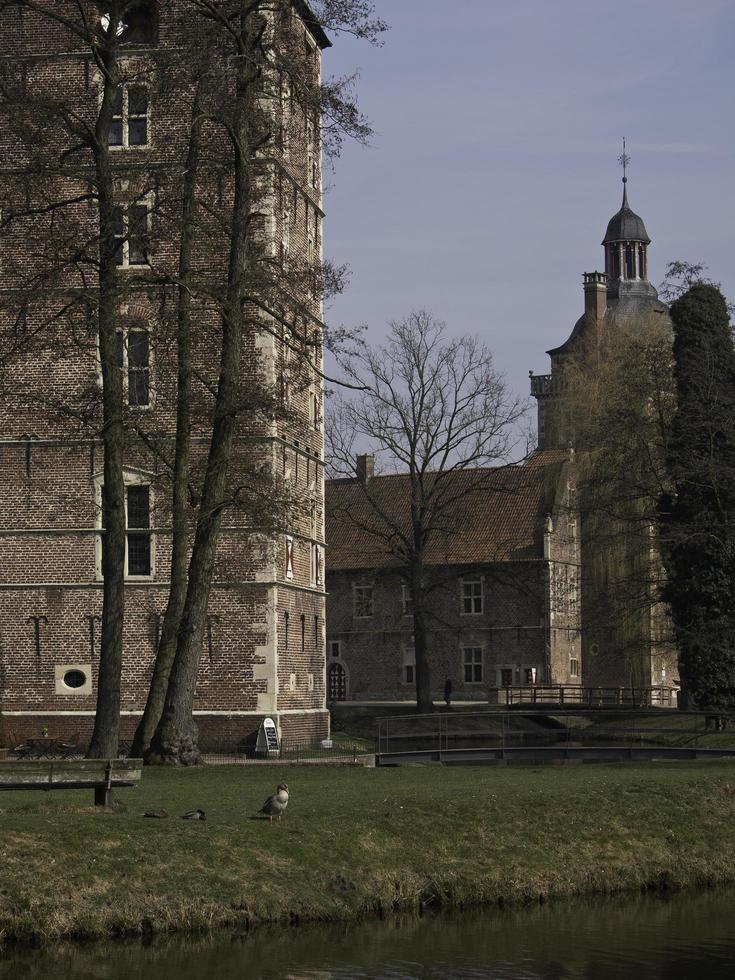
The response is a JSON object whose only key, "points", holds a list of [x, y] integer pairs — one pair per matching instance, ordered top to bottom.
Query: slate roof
{"points": [[309, 18], [626, 225], [500, 516]]}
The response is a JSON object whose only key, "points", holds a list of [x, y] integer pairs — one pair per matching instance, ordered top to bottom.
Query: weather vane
{"points": [[624, 160]]}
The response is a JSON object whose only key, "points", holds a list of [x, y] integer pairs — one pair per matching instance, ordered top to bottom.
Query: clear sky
{"points": [[493, 170]]}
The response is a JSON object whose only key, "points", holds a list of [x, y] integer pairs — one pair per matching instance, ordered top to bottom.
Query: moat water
{"points": [[678, 937]]}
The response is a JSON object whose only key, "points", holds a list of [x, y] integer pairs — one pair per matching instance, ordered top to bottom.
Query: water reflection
{"points": [[677, 938]]}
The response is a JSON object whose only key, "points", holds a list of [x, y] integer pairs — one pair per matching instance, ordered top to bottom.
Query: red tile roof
{"points": [[498, 515]]}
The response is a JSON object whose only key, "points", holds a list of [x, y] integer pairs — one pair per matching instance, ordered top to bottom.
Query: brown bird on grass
{"points": [[276, 804]]}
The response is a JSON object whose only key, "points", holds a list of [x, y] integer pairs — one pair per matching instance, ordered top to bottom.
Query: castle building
{"points": [[502, 584], [626, 638], [264, 647]]}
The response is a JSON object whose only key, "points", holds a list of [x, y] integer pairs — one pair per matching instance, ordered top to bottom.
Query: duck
{"points": [[276, 804], [194, 815]]}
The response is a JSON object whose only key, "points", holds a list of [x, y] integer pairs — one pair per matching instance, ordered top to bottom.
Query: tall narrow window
{"points": [[129, 126], [131, 234], [285, 236], [629, 262], [134, 360], [138, 367], [138, 498], [289, 557], [316, 564], [472, 595], [363, 601], [285, 628], [303, 631], [472, 657], [409, 662]]}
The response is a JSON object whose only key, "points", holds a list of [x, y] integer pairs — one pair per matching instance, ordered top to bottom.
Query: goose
{"points": [[276, 804]]}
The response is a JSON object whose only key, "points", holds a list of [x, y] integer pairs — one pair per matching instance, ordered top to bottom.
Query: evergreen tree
{"points": [[698, 520]]}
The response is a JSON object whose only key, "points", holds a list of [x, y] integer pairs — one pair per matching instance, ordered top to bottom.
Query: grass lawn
{"points": [[356, 841]]}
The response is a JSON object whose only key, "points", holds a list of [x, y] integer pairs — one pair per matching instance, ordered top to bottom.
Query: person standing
{"points": [[448, 691]]}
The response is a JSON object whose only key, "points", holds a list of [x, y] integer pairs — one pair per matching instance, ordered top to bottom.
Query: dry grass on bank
{"points": [[355, 841]]}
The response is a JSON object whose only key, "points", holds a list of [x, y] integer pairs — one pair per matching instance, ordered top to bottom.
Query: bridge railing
{"points": [[593, 697], [446, 732]]}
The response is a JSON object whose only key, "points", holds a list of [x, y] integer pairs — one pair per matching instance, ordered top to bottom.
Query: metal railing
{"points": [[592, 697], [444, 736], [226, 752]]}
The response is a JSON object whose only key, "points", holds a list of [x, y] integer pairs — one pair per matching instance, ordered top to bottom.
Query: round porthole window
{"points": [[75, 679]]}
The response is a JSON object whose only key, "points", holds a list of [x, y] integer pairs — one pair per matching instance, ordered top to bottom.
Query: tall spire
{"points": [[624, 160]]}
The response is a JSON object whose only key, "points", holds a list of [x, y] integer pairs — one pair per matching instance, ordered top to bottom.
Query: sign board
{"points": [[268, 743]]}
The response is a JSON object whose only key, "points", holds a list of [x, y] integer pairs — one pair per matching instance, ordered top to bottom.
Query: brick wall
{"points": [[50, 450]]}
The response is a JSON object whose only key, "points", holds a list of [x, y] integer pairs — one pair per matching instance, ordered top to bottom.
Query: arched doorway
{"points": [[337, 682]]}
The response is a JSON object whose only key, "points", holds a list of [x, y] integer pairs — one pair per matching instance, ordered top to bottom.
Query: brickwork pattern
{"points": [[51, 456]]}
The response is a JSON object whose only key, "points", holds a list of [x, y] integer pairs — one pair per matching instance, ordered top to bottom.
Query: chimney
{"points": [[595, 295], [365, 468]]}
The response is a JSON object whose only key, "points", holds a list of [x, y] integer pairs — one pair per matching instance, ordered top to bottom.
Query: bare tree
{"points": [[269, 67], [228, 73], [63, 190], [435, 408]]}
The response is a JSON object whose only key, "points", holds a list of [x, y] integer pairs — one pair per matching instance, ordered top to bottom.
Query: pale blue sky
{"points": [[493, 170]]}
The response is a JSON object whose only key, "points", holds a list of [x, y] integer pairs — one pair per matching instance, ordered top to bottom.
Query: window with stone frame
{"points": [[130, 126], [132, 234], [134, 360], [139, 536], [139, 539], [472, 595], [363, 604], [335, 648], [472, 660], [574, 667]]}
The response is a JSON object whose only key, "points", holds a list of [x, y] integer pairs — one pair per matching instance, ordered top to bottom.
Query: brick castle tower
{"points": [[626, 639], [264, 642]]}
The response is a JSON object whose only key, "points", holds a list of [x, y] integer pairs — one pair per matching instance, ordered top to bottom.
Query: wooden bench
{"points": [[101, 775]]}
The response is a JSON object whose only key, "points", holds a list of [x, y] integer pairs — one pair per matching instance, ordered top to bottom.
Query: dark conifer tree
{"points": [[698, 521]]}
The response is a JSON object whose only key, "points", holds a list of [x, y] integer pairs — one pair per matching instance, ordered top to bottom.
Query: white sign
{"points": [[268, 742]]}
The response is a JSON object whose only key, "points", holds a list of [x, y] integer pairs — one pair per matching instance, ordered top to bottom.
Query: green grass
{"points": [[354, 842]]}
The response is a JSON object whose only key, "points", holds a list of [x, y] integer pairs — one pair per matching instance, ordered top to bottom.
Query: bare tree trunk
{"points": [[180, 540], [424, 702], [105, 737], [175, 739]]}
